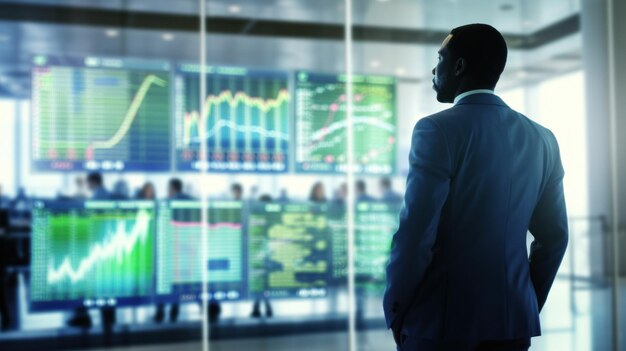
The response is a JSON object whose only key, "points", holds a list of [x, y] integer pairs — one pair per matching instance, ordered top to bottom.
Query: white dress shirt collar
{"points": [[472, 92]]}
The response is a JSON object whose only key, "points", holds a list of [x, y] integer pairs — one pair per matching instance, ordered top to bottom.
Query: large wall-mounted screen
{"points": [[100, 114], [321, 124], [246, 127], [375, 224], [289, 250], [180, 252], [92, 253]]}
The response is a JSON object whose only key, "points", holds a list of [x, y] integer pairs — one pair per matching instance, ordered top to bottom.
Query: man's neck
{"points": [[472, 92]]}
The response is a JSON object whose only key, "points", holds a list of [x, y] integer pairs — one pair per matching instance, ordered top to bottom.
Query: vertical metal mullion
{"points": [[203, 160], [614, 173], [352, 340]]}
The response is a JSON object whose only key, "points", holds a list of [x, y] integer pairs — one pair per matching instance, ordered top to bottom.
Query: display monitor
{"points": [[100, 114], [321, 124], [246, 126], [375, 224], [180, 250], [289, 250], [92, 254]]}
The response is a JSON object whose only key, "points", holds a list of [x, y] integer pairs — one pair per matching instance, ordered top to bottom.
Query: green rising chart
{"points": [[100, 114], [321, 124], [246, 126], [91, 253]]}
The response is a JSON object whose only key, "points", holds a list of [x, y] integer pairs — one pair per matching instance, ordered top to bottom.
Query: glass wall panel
{"points": [[275, 126], [229, 174]]}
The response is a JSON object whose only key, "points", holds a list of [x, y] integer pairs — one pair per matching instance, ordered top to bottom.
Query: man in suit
{"points": [[481, 175], [95, 184], [174, 192], [388, 194]]}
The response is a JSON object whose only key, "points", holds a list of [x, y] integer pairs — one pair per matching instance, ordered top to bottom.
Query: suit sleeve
{"points": [[427, 187], [549, 228]]}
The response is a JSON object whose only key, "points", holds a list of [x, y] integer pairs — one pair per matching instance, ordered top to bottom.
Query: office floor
{"points": [[574, 320]]}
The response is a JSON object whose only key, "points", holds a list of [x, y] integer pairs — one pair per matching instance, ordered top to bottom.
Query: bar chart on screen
{"points": [[100, 114], [246, 127]]}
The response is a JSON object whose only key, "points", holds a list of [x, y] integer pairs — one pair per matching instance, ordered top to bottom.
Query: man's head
{"points": [[471, 57], [94, 180], [385, 184], [175, 187], [360, 187], [236, 191]]}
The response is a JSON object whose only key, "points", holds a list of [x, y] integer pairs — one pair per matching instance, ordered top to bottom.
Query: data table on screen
{"points": [[100, 114], [321, 124], [246, 127], [375, 223], [289, 250], [92, 254], [181, 264]]}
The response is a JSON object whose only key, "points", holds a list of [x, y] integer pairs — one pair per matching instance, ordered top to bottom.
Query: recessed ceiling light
{"points": [[383, 0], [234, 8], [112, 33], [167, 36], [375, 63], [400, 71], [522, 74]]}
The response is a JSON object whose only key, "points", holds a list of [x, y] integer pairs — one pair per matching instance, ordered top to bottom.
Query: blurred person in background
{"points": [[481, 176], [95, 184], [81, 188], [120, 190], [175, 190], [361, 191], [147, 192], [236, 192], [317, 193], [341, 194], [388, 194], [284, 196], [4, 200], [20, 211], [256, 306], [81, 317]]}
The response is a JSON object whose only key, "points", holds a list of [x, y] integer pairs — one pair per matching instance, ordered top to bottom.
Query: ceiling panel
{"points": [[512, 16], [411, 63]]}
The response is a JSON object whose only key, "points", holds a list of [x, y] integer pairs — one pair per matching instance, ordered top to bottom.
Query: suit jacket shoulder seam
{"points": [[445, 140]]}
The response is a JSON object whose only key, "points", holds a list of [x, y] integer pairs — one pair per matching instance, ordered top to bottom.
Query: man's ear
{"points": [[460, 67]]}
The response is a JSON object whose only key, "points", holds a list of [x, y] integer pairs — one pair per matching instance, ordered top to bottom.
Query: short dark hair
{"points": [[484, 49], [94, 178], [385, 182], [176, 185], [360, 185], [236, 187], [265, 198]]}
